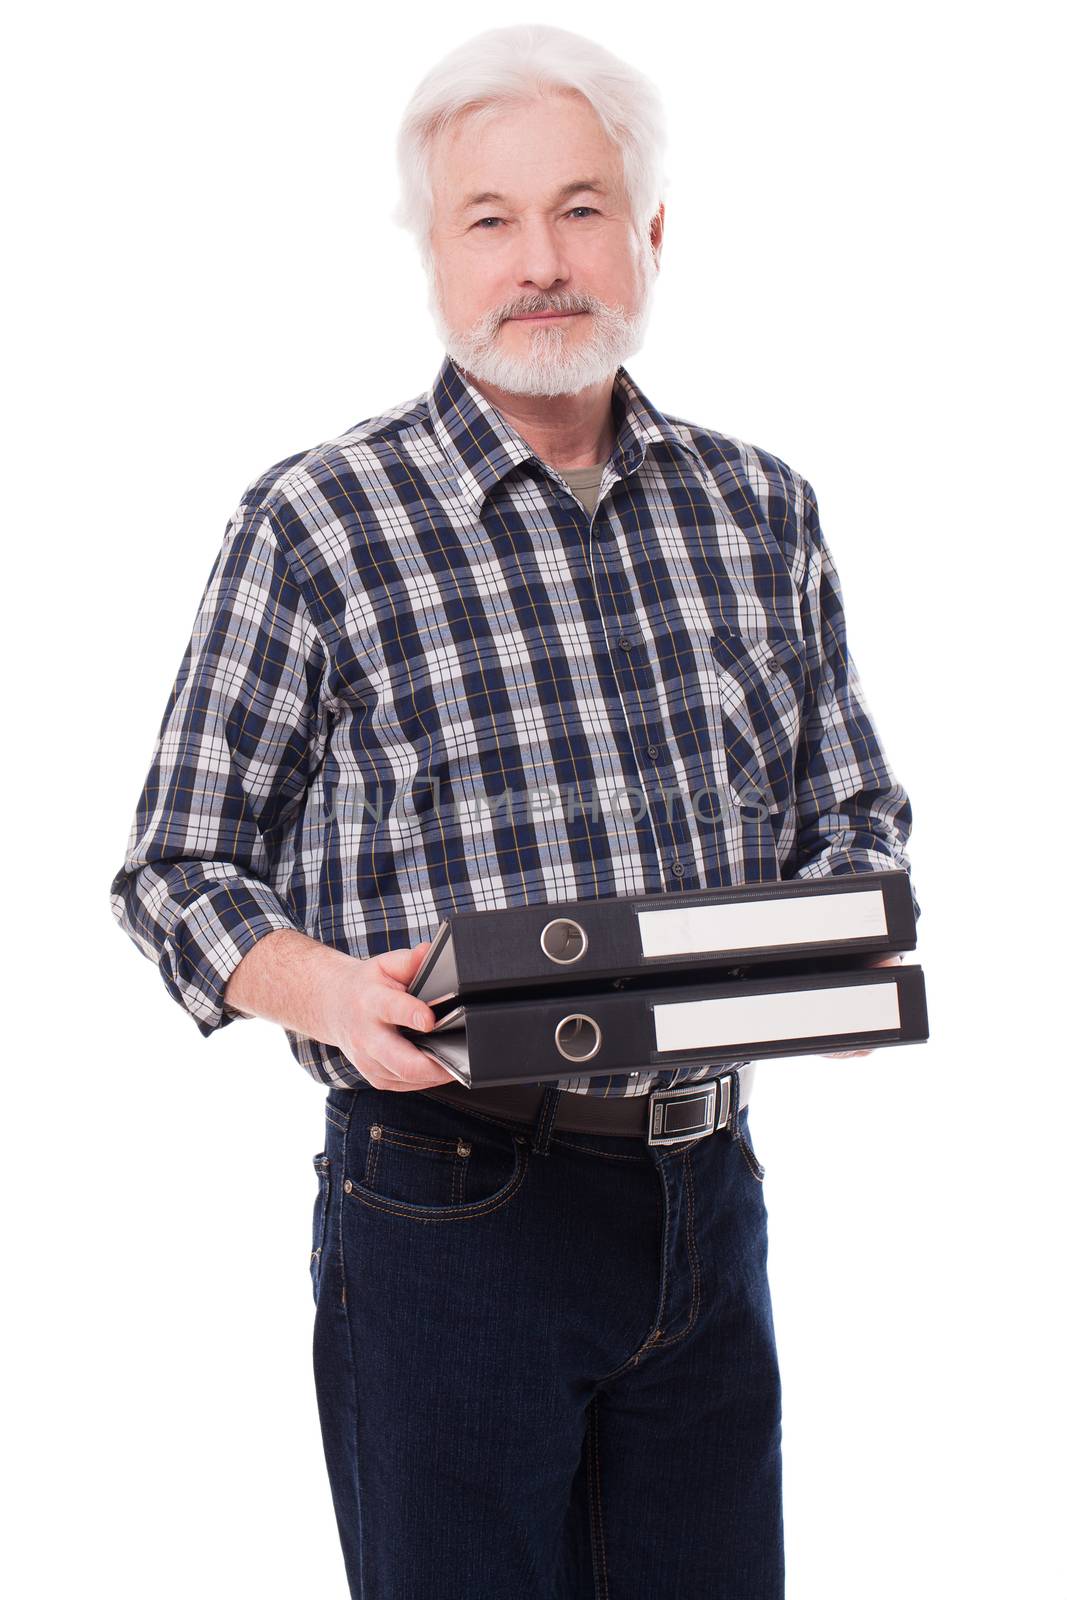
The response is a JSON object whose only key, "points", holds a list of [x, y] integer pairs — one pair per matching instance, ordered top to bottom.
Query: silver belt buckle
{"points": [[688, 1112]]}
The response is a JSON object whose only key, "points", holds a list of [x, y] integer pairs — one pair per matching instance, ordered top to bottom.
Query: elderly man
{"points": [[484, 650]]}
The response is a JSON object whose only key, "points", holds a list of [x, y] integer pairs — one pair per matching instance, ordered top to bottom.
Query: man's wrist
{"points": [[289, 978]]}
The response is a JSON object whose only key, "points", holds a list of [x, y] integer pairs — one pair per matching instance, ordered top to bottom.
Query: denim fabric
{"points": [[545, 1362]]}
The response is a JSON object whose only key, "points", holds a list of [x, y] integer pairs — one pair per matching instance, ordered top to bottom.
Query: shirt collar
{"points": [[482, 447]]}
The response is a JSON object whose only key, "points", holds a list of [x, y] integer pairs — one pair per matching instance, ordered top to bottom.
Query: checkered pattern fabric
{"points": [[422, 679]]}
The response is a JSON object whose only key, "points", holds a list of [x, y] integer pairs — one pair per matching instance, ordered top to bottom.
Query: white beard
{"points": [[551, 364]]}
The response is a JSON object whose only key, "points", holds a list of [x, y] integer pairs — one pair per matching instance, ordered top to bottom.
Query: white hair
{"points": [[513, 66]]}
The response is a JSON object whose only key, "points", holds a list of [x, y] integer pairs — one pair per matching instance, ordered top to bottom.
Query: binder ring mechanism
{"points": [[564, 941], [578, 1037]]}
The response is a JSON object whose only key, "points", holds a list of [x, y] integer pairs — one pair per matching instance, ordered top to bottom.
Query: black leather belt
{"points": [[660, 1116]]}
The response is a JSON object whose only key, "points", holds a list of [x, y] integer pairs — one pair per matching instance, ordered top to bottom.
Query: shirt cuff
{"points": [[210, 936]]}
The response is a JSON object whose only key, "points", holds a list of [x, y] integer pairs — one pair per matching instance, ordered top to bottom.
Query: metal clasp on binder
{"points": [[689, 1111]]}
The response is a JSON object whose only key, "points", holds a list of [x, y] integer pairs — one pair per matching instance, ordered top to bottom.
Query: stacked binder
{"points": [[533, 993]]}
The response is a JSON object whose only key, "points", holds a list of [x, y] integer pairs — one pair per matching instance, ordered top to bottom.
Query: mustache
{"points": [[531, 304]]}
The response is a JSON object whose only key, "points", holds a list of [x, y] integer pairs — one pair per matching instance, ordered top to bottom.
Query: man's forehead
{"points": [[469, 171]]}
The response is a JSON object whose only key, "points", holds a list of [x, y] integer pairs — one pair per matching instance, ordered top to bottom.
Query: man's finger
{"points": [[402, 964]]}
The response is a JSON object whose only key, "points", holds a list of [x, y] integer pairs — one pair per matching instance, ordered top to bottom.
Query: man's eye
{"points": [[485, 223]]}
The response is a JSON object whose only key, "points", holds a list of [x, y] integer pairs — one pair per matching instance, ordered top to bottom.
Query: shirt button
{"points": [[625, 643], [652, 752], [678, 869]]}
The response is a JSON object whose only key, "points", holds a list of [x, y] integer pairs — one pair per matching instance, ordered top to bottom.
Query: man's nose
{"points": [[540, 260]]}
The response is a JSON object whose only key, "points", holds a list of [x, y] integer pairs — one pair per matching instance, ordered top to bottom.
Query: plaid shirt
{"points": [[423, 680]]}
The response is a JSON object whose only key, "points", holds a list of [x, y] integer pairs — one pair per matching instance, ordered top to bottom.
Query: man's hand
{"points": [[366, 1002], [842, 1055]]}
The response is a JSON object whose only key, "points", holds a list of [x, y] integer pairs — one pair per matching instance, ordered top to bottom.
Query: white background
{"points": [[858, 275]]}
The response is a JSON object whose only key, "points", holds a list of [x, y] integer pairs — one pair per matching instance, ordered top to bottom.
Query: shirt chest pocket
{"points": [[761, 681]]}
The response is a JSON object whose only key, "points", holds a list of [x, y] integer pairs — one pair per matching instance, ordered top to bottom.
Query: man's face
{"points": [[530, 216]]}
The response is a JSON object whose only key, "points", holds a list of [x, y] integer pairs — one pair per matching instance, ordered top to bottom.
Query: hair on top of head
{"points": [[513, 66]]}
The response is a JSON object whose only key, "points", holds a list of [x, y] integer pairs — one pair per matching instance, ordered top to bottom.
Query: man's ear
{"points": [[655, 234]]}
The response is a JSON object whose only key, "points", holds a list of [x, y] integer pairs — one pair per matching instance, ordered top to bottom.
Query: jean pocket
{"points": [[744, 1144], [442, 1174], [318, 1218]]}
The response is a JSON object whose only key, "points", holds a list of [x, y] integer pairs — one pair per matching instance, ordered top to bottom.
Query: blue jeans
{"points": [[545, 1361]]}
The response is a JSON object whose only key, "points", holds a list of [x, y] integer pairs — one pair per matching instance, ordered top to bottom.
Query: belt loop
{"points": [[735, 1102], [546, 1117]]}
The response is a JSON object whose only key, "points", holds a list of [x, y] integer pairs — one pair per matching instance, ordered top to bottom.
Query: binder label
{"points": [[749, 924], [755, 1018]]}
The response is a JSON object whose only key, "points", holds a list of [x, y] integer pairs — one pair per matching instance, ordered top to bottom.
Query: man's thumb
{"points": [[403, 964]]}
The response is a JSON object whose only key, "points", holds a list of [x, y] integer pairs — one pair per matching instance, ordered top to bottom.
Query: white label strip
{"points": [[748, 924], [752, 1018]]}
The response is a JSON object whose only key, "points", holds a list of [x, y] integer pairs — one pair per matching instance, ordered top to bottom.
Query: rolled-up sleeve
{"points": [[231, 764], [853, 813]]}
